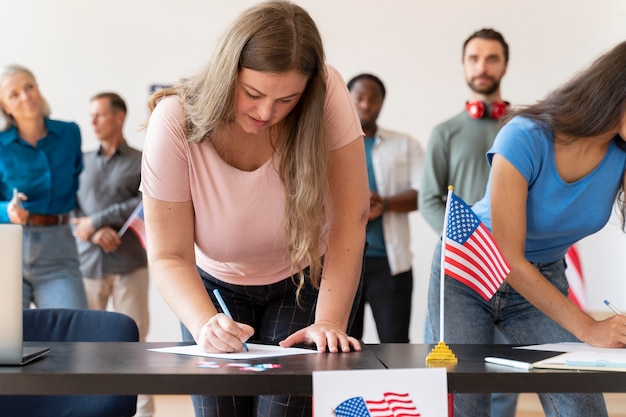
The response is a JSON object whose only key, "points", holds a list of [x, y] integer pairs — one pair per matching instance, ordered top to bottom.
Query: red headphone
{"points": [[496, 110]]}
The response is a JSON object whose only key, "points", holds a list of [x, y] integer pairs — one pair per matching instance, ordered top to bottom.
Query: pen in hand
{"points": [[612, 307], [226, 311]]}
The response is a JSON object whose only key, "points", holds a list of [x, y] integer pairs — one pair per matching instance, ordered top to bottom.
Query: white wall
{"points": [[80, 47]]}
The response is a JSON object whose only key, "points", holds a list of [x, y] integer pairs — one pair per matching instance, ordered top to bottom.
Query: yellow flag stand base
{"points": [[441, 355]]}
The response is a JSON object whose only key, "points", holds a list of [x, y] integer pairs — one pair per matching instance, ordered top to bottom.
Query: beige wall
{"points": [[79, 47]]}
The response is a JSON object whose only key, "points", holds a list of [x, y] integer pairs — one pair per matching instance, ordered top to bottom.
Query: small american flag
{"points": [[136, 224], [471, 254], [392, 405]]}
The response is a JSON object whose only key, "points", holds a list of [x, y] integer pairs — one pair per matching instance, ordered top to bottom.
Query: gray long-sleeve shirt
{"points": [[455, 156], [108, 193]]}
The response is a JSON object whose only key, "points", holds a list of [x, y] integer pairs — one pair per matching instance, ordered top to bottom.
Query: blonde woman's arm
{"points": [[170, 232]]}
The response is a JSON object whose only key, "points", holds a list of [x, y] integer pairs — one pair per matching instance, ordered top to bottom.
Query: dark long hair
{"points": [[592, 103]]}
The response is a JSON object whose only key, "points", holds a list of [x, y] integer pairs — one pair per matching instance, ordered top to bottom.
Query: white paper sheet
{"points": [[571, 347], [256, 351]]}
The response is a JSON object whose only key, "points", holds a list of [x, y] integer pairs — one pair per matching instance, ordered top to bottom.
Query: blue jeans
{"points": [[50, 268], [471, 319]]}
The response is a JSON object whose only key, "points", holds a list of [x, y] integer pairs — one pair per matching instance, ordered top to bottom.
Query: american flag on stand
{"points": [[136, 224], [471, 255], [574, 275], [392, 405]]}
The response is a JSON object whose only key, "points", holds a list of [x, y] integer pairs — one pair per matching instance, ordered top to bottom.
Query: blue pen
{"points": [[612, 307], [226, 311]]}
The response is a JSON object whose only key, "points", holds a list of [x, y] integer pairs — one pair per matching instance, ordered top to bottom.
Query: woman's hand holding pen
{"points": [[614, 327], [610, 332], [222, 334], [326, 336]]}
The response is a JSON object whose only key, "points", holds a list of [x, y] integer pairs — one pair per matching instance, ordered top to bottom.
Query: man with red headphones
{"points": [[456, 150]]}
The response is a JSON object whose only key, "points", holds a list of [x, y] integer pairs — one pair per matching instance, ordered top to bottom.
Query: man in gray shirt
{"points": [[456, 150], [113, 267]]}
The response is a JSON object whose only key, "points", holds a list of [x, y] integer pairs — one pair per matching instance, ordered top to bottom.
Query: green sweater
{"points": [[455, 156]]}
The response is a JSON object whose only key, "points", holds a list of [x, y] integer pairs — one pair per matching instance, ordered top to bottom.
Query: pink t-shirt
{"points": [[239, 230]]}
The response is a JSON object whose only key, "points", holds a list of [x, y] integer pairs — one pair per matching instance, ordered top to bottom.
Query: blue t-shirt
{"points": [[47, 173], [558, 214], [374, 232]]}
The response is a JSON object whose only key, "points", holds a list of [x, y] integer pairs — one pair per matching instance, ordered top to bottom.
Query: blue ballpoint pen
{"points": [[612, 307], [226, 311]]}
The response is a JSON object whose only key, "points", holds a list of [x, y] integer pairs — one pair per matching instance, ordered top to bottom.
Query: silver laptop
{"points": [[12, 351]]}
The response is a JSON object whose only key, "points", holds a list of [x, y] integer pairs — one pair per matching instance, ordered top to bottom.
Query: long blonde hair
{"points": [[273, 37], [6, 121]]}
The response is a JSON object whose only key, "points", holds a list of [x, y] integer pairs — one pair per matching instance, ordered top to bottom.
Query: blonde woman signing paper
{"points": [[253, 177]]}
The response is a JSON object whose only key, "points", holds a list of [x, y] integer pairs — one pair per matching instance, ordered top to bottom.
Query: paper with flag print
{"points": [[135, 224], [471, 255], [419, 392], [392, 404]]}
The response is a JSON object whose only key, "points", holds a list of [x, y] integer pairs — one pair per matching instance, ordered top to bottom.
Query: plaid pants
{"points": [[273, 312]]}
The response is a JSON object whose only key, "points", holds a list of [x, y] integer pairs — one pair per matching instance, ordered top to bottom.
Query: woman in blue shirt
{"points": [[42, 159], [557, 168]]}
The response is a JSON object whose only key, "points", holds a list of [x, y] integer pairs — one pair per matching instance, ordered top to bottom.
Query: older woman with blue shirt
{"points": [[42, 159], [557, 170]]}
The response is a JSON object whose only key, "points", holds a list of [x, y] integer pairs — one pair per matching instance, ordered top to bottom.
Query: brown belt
{"points": [[47, 219]]}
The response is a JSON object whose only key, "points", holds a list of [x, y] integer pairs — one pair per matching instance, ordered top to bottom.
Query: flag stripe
{"points": [[136, 224], [139, 228], [495, 258], [473, 263], [575, 279], [469, 280], [392, 405]]}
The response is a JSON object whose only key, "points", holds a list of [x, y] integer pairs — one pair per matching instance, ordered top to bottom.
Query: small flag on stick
{"points": [[136, 224], [471, 254]]}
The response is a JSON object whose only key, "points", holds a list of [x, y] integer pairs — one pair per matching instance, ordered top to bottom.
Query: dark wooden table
{"points": [[130, 368], [473, 375]]}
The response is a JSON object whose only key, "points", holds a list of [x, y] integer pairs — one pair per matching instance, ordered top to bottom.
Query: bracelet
{"points": [[385, 205]]}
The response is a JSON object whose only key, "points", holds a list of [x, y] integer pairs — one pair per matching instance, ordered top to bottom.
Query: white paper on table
{"points": [[570, 347], [255, 351]]}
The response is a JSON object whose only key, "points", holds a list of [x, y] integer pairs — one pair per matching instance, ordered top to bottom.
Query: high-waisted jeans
{"points": [[50, 268]]}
